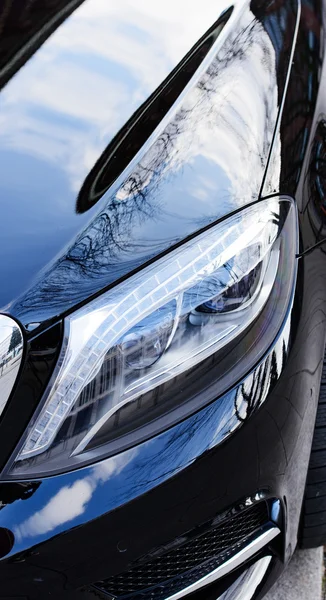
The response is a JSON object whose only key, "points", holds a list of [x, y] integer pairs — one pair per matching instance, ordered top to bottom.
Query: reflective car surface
{"points": [[163, 297]]}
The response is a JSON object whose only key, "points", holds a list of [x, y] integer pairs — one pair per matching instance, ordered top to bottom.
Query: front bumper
{"points": [[73, 530]]}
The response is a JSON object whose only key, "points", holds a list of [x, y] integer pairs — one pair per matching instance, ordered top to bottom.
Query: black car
{"points": [[163, 296]]}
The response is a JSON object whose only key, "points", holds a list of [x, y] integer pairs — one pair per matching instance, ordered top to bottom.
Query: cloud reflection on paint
{"points": [[95, 71], [214, 135], [119, 479], [71, 500]]}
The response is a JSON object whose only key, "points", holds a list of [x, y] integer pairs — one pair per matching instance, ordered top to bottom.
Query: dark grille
{"points": [[175, 569]]}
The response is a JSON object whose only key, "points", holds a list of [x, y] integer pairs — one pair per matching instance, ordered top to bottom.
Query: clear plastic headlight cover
{"points": [[123, 350]]}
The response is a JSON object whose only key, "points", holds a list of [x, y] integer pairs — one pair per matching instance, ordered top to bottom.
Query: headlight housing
{"points": [[217, 301]]}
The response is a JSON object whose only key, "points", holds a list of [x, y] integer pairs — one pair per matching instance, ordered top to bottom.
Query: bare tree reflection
{"points": [[301, 95], [132, 136], [108, 247], [248, 395], [206, 429]]}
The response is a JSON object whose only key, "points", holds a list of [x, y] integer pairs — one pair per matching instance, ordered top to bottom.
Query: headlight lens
{"points": [[127, 347]]}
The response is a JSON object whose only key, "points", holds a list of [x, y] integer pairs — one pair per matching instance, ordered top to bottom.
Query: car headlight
{"points": [[126, 355]]}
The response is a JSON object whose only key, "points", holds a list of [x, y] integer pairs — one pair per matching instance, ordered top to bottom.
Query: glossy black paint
{"points": [[177, 184], [192, 446], [138, 470], [75, 525], [70, 530]]}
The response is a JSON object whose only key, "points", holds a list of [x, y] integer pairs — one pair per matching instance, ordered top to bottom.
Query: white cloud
{"points": [[84, 71], [88, 96], [102, 471], [71, 501], [67, 504]]}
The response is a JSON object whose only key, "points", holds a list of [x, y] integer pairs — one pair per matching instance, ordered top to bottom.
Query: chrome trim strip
{"points": [[11, 352], [232, 563], [246, 585]]}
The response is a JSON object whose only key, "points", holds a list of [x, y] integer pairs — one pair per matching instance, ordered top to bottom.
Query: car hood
{"points": [[71, 75]]}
